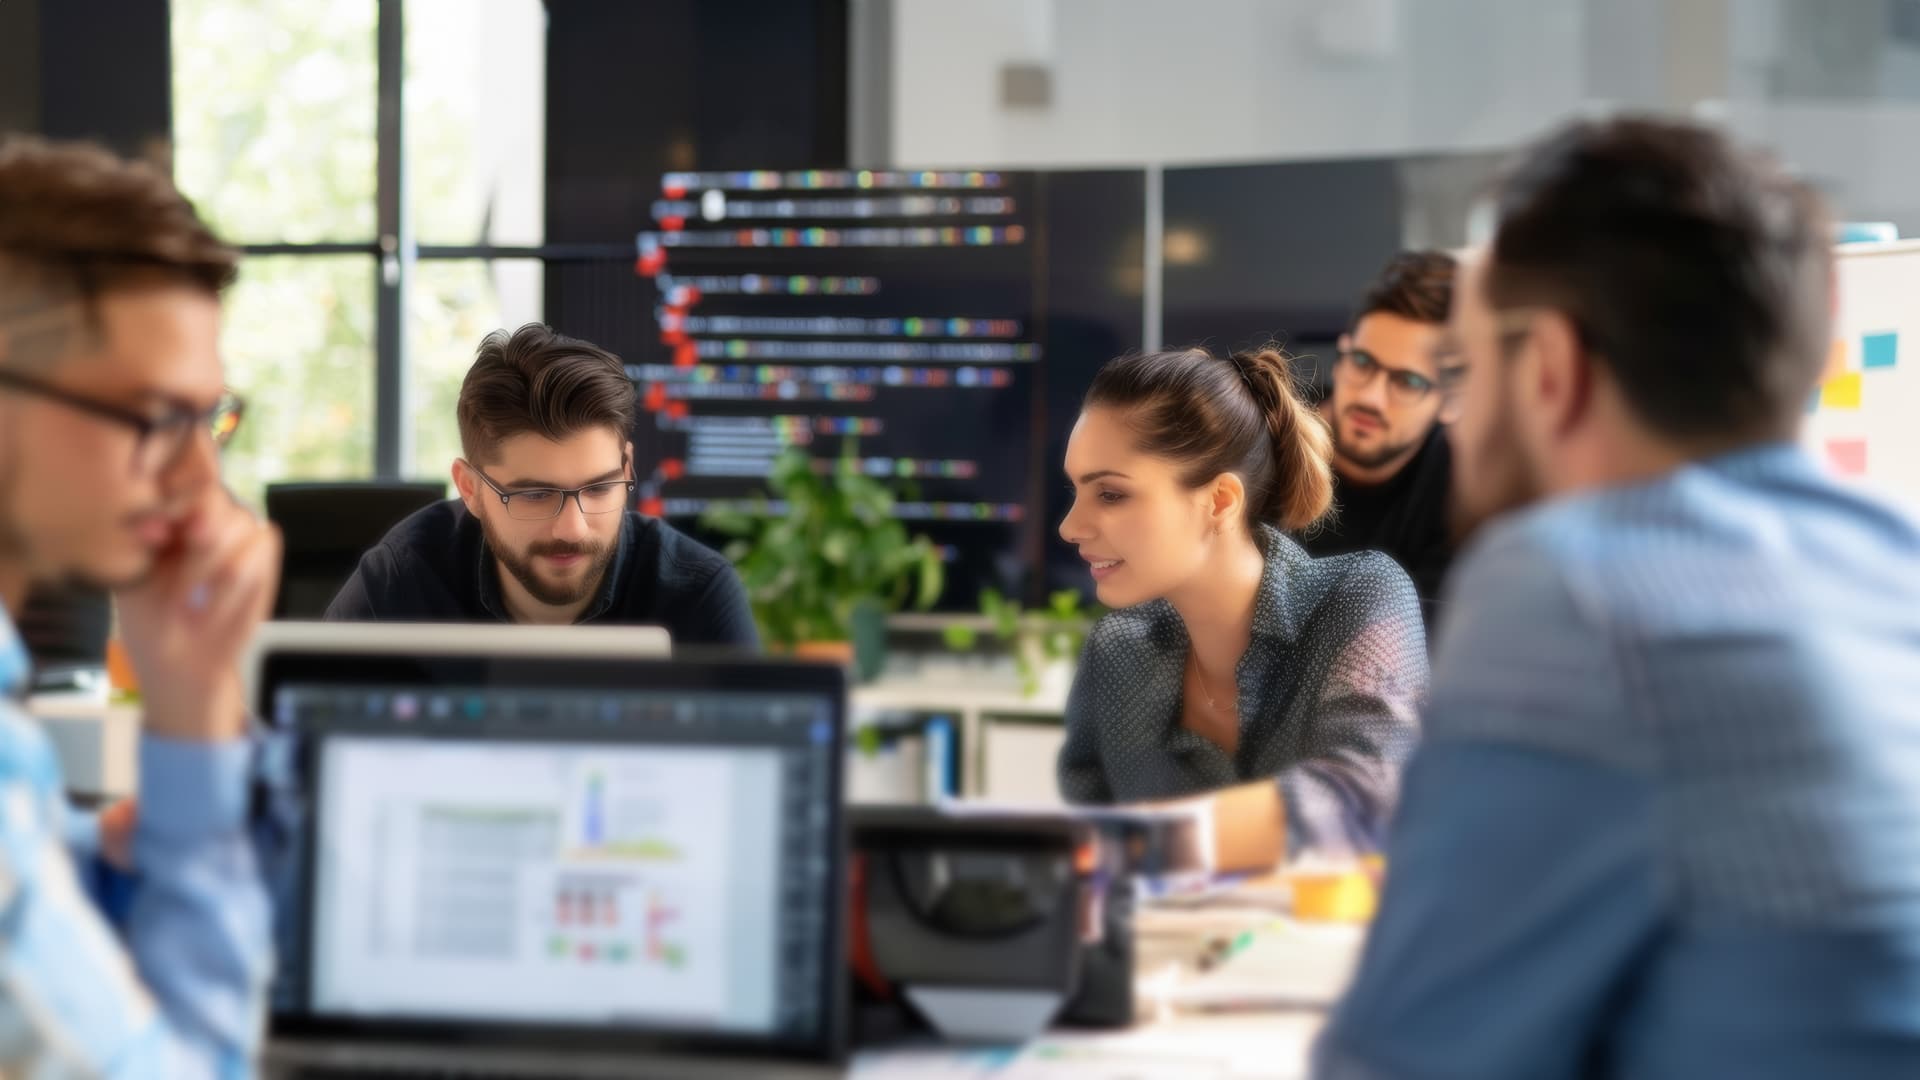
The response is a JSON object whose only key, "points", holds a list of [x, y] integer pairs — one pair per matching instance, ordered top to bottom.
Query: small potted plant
{"points": [[824, 560], [1046, 643]]}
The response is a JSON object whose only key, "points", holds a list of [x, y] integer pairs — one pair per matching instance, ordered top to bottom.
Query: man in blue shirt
{"points": [[112, 411], [1666, 819]]}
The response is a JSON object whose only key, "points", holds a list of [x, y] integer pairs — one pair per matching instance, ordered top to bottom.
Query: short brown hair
{"points": [[76, 221], [1699, 273], [1416, 285], [535, 380], [1240, 414]]}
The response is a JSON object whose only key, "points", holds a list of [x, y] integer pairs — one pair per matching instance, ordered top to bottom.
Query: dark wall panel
{"points": [[106, 73], [635, 90]]}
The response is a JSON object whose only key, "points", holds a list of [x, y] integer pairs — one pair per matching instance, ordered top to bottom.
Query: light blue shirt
{"points": [[1666, 818], [178, 990]]}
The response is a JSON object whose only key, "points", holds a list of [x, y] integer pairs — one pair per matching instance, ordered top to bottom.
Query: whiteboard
{"points": [[1863, 420]]}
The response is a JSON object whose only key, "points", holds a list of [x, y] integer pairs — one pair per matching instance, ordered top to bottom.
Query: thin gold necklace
{"points": [[1200, 677]]}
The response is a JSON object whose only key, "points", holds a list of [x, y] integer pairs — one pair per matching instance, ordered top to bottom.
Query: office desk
{"points": [[1006, 740], [98, 743], [1255, 1016], [1259, 1023], [1269, 1046]]}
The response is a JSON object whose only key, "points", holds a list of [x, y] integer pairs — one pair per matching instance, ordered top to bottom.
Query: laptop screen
{"points": [[626, 847]]}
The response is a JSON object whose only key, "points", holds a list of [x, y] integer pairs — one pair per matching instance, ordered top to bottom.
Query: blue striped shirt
{"points": [[1666, 819], [176, 988]]}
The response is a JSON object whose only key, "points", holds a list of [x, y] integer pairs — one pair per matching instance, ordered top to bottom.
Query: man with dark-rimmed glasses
{"points": [[1389, 407], [113, 410], [544, 530]]}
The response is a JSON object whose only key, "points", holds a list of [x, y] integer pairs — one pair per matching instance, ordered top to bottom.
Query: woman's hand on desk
{"points": [[1248, 823]]}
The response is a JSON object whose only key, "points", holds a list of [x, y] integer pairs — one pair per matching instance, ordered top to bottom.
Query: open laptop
{"points": [[558, 866]]}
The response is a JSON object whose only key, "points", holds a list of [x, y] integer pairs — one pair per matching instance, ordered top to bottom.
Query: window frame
{"points": [[395, 252]]}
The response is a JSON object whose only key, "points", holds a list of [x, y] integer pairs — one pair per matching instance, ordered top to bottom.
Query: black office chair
{"points": [[327, 527], [65, 625]]}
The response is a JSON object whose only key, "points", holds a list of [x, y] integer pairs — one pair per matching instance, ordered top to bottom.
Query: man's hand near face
{"points": [[187, 624]]}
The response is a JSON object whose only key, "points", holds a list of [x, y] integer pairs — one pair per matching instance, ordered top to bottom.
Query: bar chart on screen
{"points": [[531, 882]]}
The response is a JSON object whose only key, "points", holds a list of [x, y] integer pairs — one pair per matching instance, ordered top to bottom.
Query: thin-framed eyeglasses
{"points": [[543, 504]]}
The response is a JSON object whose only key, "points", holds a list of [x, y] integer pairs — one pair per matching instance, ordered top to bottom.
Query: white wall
{"points": [[1228, 80], [1834, 88], [1836, 95], [1864, 157]]}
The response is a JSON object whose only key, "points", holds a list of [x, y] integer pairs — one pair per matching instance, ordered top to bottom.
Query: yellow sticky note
{"points": [[1842, 392]]}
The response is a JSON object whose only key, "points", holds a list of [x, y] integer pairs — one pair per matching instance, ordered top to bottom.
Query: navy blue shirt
{"points": [[1406, 517], [436, 566]]}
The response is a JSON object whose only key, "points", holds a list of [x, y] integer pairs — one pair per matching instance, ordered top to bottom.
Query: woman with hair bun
{"points": [[1236, 663]]}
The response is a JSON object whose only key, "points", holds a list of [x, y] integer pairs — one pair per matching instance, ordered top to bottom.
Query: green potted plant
{"points": [[823, 569], [1046, 643]]}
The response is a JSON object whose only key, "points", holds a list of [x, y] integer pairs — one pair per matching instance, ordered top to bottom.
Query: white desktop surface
{"points": [[98, 744], [1270, 1046]]}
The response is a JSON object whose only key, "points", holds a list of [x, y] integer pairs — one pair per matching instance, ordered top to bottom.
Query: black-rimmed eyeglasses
{"points": [[1358, 368], [162, 438]]}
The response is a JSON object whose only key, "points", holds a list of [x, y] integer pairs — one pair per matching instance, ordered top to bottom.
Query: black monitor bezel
{"points": [[680, 673]]}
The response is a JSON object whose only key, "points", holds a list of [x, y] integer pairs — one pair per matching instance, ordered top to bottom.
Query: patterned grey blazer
{"points": [[1330, 690]]}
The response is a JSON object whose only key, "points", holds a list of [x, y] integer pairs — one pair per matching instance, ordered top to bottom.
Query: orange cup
{"points": [[120, 674], [1333, 896]]}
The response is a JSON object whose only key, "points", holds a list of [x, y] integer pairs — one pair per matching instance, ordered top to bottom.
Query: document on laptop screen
{"points": [[548, 883]]}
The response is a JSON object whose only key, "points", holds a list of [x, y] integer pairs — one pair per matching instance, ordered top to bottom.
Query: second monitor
{"points": [[937, 322]]}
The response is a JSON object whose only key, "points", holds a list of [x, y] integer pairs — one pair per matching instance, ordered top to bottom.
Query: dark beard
{"points": [[1378, 457], [1506, 482], [520, 565]]}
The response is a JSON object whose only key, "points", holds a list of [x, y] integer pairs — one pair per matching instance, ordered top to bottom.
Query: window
{"points": [[476, 100], [274, 105], [476, 117], [274, 141], [278, 141], [454, 304], [298, 342]]}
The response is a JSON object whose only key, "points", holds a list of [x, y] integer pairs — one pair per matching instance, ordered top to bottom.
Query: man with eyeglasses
{"points": [[1389, 407], [112, 413], [544, 530], [1664, 820]]}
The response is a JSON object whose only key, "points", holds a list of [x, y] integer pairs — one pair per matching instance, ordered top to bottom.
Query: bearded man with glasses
{"points": [[1389, 406], [544, 530]]}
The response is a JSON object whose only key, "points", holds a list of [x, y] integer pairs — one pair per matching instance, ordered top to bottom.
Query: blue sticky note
{"points": [[1879, 350]]}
